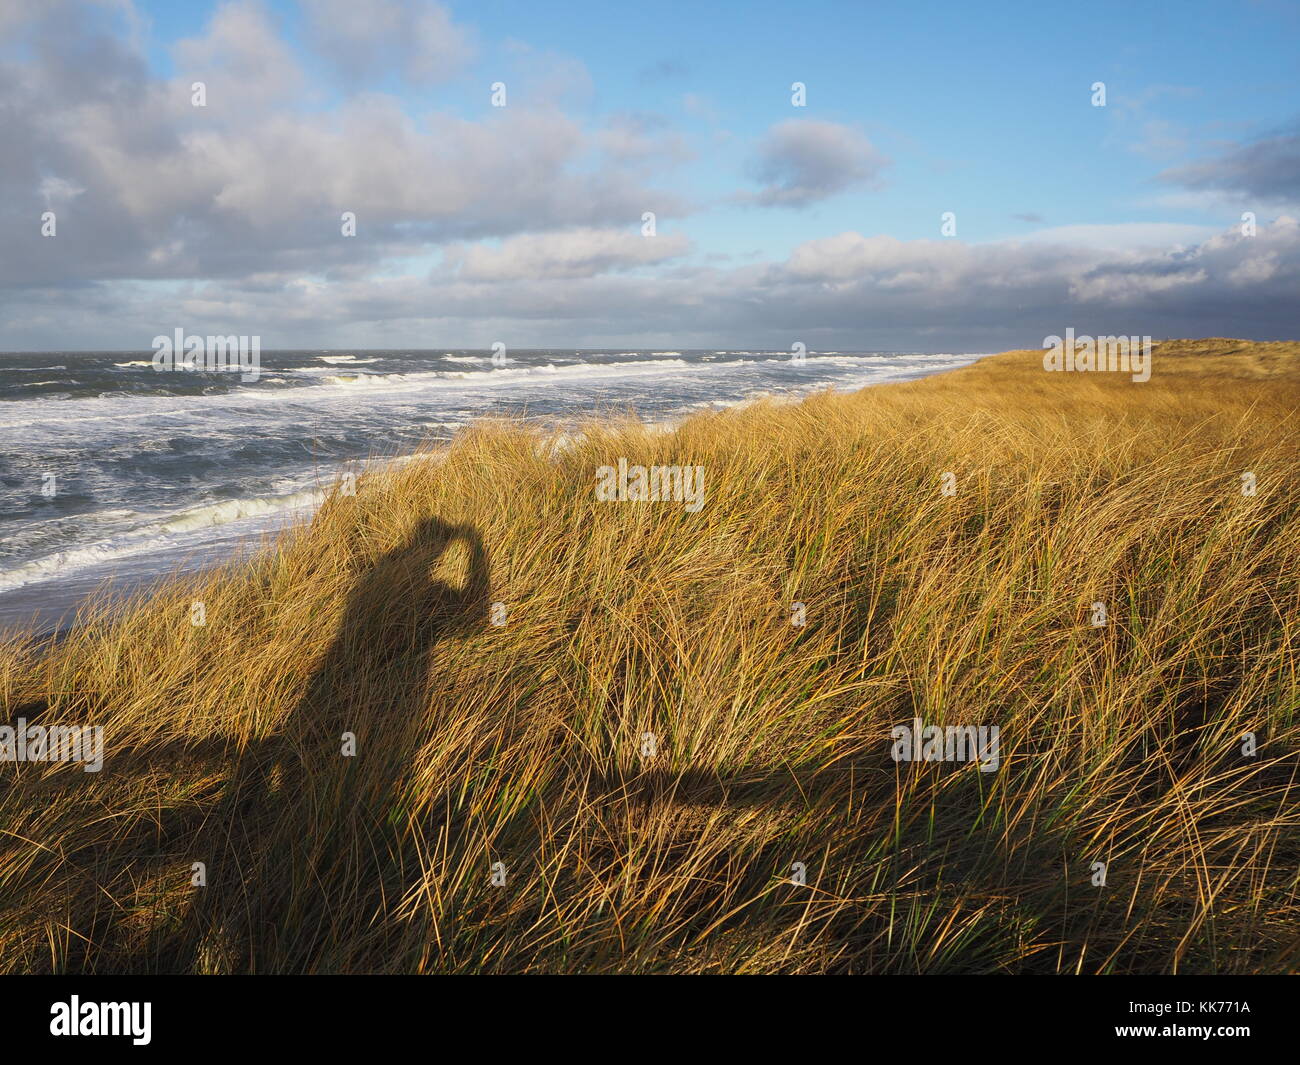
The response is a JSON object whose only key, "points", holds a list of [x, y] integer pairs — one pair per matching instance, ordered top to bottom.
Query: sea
{"points": [[113, 471]]}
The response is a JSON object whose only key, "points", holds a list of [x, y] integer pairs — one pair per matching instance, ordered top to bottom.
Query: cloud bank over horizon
{"points": [[527, 223]]}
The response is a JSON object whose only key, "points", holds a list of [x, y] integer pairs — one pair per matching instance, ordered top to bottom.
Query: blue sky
{"points": [[966, 98], [913, 109]]}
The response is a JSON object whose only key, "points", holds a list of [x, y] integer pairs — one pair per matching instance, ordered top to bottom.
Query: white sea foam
{"points": [[509, 375], [53, 415], [270, 431], [157, 535]]}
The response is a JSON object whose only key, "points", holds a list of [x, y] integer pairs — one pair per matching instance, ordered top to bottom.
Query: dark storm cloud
{"points": [[1267, 169], [848, 291]]}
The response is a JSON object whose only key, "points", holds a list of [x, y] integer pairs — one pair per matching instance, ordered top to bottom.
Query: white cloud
{"points": [[412, 39], [242, 60], [801, 161], [258, 179], [531, 215], [1121, 236], [572, 254]]}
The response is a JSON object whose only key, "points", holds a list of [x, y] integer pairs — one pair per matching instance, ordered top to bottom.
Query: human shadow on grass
{"points": [[303, 807]]}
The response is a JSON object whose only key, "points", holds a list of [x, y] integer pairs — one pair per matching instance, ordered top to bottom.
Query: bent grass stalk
{"points": [[521, 743]]}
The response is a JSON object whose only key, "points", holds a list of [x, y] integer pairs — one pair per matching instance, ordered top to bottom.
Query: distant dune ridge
{"points": [[479, 717]]}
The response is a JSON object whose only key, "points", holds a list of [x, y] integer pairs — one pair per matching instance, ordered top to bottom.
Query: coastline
{"points": [[63, 596], [670, 739]]}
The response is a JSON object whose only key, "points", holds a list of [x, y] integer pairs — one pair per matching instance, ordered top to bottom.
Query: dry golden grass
{"points": [[521, 744]]}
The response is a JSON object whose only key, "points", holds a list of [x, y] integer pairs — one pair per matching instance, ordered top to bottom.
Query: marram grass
{"points": [[523, 743]]}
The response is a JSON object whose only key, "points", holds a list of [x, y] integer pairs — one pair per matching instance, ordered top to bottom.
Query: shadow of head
{"points": [[435, 583], [375, 671]]}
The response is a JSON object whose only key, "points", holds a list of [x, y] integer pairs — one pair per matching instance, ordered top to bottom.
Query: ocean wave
{"points": [[500, 375], [368, 379], [335, 380], [399, 404], [124, 407], [237, 509], [154, 536]]}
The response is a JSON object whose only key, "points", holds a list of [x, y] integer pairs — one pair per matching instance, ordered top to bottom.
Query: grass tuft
{"points": [[521, 743]]}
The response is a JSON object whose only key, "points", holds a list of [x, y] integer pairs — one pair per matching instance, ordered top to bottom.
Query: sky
{"points": [[949, 177]]}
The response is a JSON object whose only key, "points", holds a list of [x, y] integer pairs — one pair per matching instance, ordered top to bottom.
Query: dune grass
{"points": [[632, 628]]}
